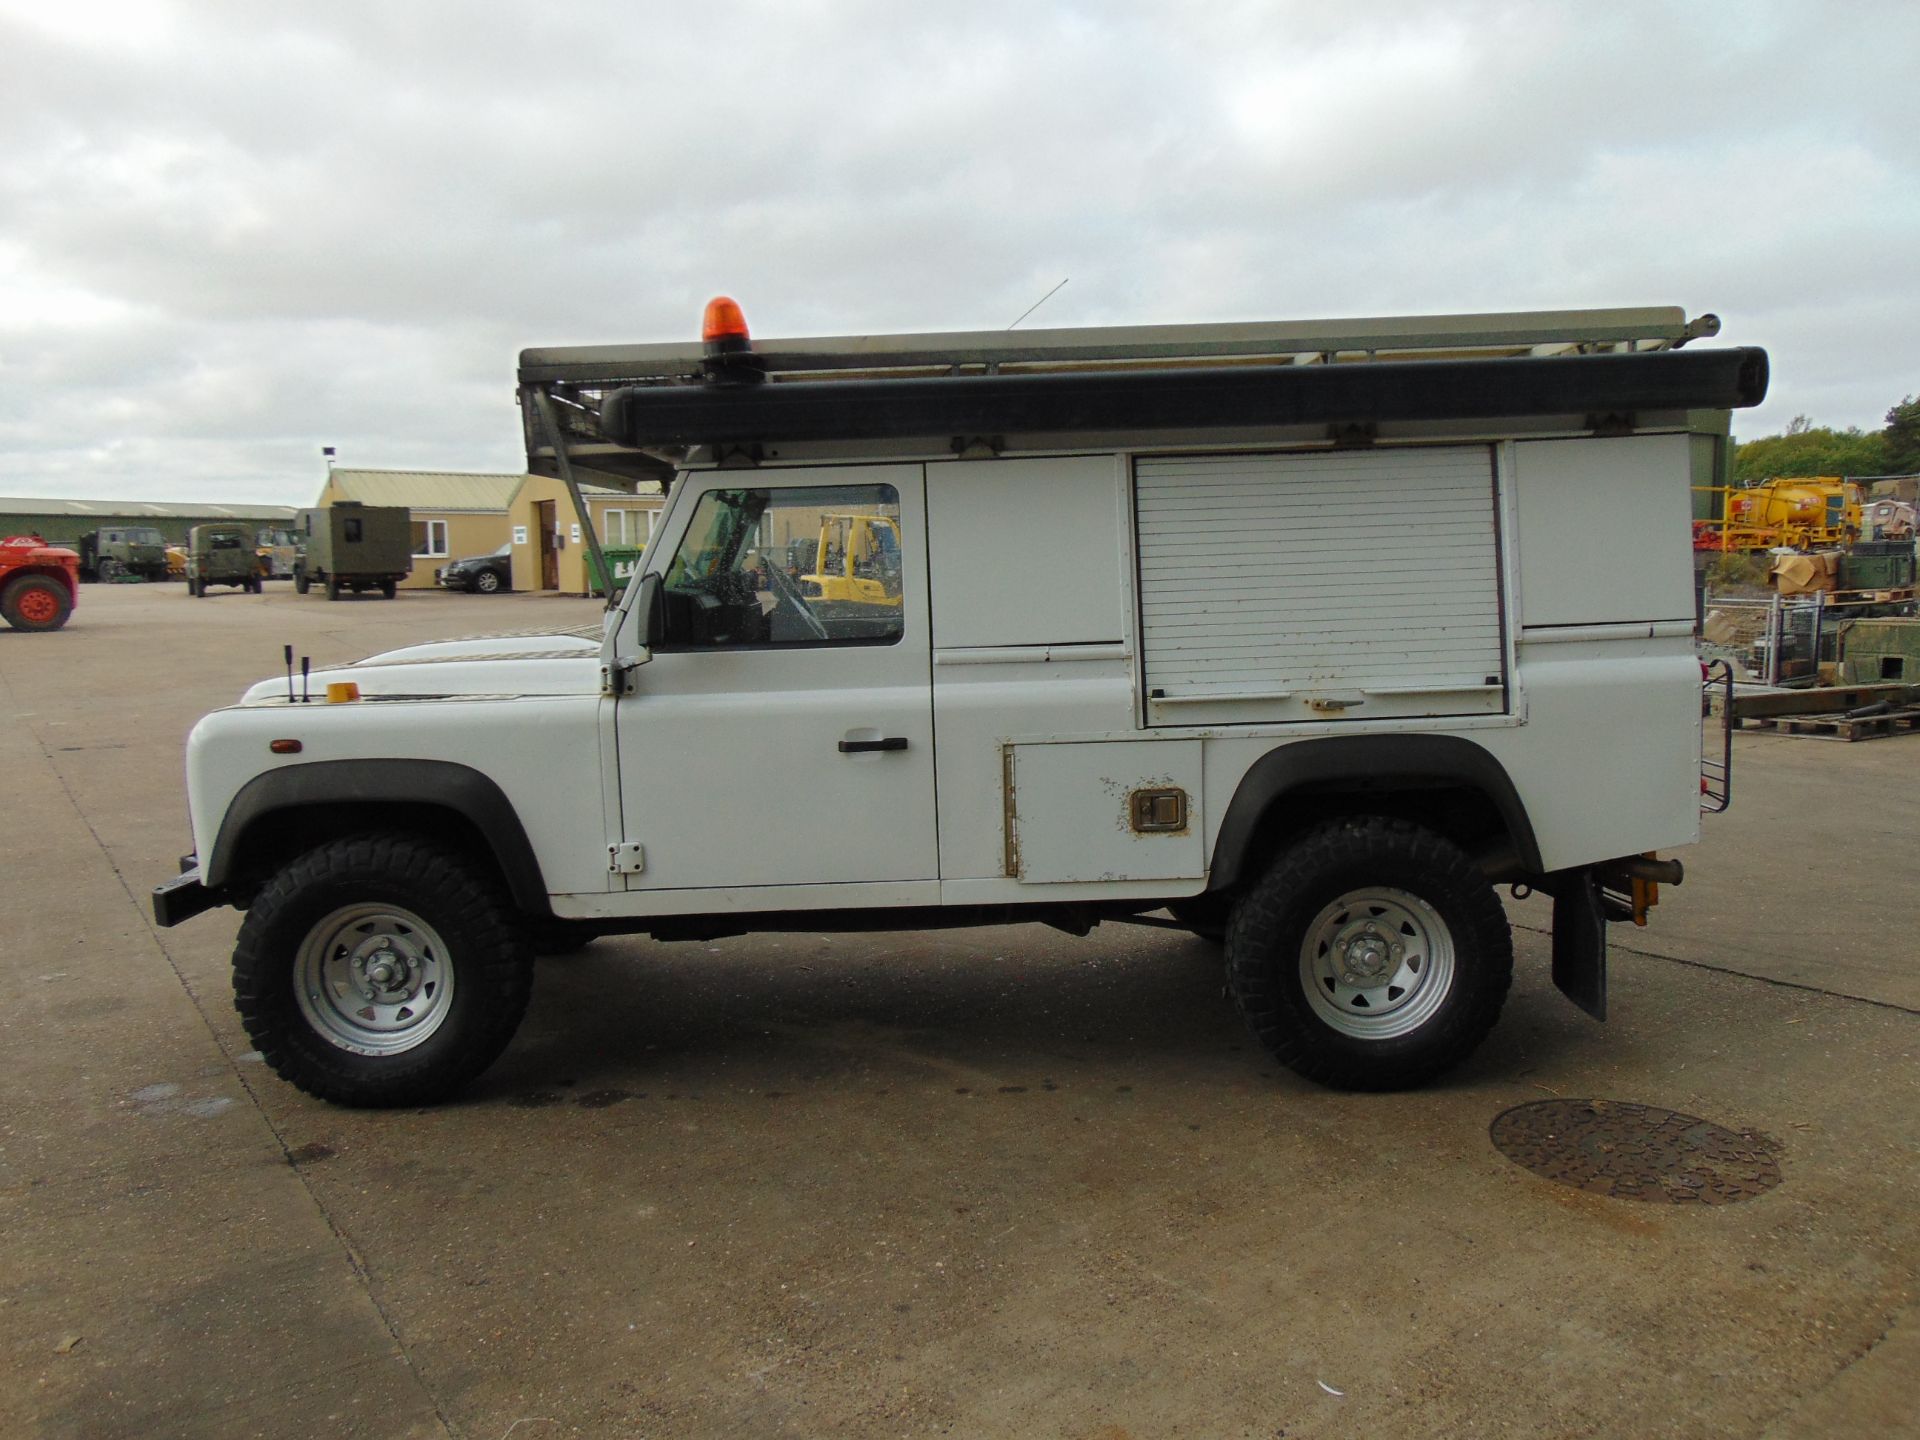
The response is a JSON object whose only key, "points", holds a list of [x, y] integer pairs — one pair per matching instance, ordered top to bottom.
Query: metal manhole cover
{"points": [[1635, 1152]]}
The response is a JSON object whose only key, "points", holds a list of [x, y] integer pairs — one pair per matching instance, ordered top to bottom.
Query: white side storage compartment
{"points": [[1604, 530], [1354, 585], [1104, 810]]}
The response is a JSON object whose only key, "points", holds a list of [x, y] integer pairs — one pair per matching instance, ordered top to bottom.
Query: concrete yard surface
{"points": [[970, 1183]]}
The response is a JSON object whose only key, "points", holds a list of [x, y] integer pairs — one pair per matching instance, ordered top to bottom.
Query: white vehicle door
{"points": [[782, 733]]}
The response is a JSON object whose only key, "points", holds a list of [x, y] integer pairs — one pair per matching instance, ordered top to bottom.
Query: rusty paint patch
{"points": [[1010, 829], [1635, 1152]]}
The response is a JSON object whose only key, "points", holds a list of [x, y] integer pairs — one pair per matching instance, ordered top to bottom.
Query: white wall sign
{"points": [[576, 532], [519, 534]]}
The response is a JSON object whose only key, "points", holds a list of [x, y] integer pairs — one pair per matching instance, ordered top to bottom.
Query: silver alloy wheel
{"points": [[486, 582], [1377, 963], [373, 979]]}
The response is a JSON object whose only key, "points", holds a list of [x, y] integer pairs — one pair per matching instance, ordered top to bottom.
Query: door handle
{"points": [[860, 747]]}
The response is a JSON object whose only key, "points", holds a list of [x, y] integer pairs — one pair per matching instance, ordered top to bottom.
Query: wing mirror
{"points": [[651, 613]]}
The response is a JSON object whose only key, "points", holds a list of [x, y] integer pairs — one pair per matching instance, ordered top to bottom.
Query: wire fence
{"points": [[1779, 641]]}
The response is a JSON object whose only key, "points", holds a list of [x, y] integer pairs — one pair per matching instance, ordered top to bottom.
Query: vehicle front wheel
{"points": [[486, 582], [301, 584], [35, 603], [1372, 955], [380, 970]]}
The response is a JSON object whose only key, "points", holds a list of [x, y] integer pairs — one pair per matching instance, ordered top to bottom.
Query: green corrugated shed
{"points": [[63, 522]]}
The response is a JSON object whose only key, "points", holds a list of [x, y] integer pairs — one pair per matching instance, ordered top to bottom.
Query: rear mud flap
{"points": [[1580, 942]]}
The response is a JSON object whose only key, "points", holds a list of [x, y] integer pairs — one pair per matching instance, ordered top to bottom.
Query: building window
{"points": [[629, 528], [429, 539]]}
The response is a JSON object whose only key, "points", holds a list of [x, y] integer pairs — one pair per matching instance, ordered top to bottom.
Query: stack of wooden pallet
{"points": [[1831, 712]]}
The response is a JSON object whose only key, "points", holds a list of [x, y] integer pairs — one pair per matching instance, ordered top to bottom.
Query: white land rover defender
{"points": [[1309, 634]]}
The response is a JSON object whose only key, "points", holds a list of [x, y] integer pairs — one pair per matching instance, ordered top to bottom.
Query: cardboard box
{"points": [[1805, 574]]}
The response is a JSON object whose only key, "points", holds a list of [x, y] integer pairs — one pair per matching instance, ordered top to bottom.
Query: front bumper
{"points": [[454, 579], [183, 897]]}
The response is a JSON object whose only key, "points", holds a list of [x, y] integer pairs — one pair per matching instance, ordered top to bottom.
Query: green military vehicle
{"points": [[350, 546], [123, 552], [221, 555]]}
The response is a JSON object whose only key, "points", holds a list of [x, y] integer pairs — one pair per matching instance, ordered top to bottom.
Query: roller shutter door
{"points": [[1354, 585]]}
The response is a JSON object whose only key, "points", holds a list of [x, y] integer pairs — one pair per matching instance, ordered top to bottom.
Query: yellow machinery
{"points": [[1804, 513], [278, 549], [857, 561]]}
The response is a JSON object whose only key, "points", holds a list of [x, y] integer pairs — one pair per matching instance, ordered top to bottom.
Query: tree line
{"points": [[1809, 449]]}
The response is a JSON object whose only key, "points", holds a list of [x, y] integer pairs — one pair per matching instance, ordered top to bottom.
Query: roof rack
{"points": [[1515, 333], [621, 414]]}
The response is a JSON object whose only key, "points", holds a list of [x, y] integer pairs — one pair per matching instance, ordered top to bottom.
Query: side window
{"points": [[350, 530], [815, 566]]}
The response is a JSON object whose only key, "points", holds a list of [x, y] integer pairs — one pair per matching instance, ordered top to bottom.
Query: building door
{"points": [[546, 535], [782, 733]]}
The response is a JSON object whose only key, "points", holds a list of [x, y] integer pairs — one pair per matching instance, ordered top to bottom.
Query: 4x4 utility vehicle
{"points": [[222, 554], [1310, 633]]}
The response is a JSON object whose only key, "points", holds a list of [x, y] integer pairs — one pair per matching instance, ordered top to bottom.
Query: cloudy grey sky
{"points": [[232, 232]]}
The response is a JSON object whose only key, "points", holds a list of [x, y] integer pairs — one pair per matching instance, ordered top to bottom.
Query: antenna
{"points": [[1041, 301], [289, 674], [306, 691]]}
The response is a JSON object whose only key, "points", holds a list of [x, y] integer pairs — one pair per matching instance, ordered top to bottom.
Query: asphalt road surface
{"points": [[995, 1182]]}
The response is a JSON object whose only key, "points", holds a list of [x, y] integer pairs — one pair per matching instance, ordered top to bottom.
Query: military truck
{"points": [[350, 546], [123, 552], [221, 554], [1161, 648]]}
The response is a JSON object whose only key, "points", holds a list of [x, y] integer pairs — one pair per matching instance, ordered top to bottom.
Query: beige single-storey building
{"points": [[456, 515], [550, 553]]}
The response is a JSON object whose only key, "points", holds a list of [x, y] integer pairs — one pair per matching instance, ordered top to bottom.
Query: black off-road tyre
{"points": [[301, 584], [333, 587], [388, 588], [1301, 929], [478, 951]]}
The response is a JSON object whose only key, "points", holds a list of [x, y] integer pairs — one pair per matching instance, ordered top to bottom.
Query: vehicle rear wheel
{"points": [[486, 582], [301, 584], [333, 588], [387, 588], [34, 602], [1372, 955], [380, 970]]}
